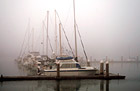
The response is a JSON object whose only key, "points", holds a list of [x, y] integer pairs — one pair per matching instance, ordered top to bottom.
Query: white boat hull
{"points": [[78, 72]]}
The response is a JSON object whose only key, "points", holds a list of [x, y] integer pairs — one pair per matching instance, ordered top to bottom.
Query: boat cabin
{"points": [[67, 62]]}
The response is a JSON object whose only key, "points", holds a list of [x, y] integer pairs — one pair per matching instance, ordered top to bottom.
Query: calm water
{"points": [[130, 70]]}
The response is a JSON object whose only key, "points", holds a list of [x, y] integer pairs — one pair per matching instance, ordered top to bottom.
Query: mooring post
{"points": [[88, 63], [101, 67], [107, 69], [58, 70], [1, 79]]}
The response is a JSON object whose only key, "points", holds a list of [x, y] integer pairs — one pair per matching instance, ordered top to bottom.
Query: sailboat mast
{"points": [[47, 33], [29, 35], [43, 35], [55, 35], [32, 39], [60, 39], [76, 55]]}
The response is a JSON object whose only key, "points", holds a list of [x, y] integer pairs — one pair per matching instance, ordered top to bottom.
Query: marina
{"points": [[72, 45]]}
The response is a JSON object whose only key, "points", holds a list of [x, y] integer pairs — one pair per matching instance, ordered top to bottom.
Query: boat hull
{"points": [[71, 72]]}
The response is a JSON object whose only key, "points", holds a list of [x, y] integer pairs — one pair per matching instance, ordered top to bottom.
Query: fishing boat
{"points": [[69, 67]]}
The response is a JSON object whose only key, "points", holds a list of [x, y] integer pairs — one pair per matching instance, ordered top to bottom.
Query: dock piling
{"points": [[88, 63], [101, 67], [107, 69], [58, 70], [1, 78]]}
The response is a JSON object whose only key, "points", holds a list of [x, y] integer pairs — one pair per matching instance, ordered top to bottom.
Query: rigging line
{"points": [[67, 16], [45, 17], [51, 20], [65, 33], [38, 38], [48, 38], [67, 40], [42, 41], [23, 43], [82, 43], [26, 45], [50, 45]]}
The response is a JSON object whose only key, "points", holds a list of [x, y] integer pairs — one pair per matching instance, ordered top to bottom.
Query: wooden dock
{"points": [[20, 78]]}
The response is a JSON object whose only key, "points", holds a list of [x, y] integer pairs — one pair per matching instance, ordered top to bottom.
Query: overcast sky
{"points": [[108, 27]]}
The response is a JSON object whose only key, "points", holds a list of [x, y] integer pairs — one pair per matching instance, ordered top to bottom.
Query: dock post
{"points": [[88, 63], [101, 67], [107, 69], [58, 70], [1, 78]]}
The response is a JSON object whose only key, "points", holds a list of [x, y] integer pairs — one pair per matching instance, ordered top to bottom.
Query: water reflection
{"points": [[52, 85], [63, 85], [73, 85], [102, 85], [107, 85]]}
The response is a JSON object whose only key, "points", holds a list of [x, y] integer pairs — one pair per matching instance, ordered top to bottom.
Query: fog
{"points": [[108, 27]]}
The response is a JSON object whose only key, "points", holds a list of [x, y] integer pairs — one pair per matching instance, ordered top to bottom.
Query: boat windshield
{"points": [[73, 65], [68, 66]]}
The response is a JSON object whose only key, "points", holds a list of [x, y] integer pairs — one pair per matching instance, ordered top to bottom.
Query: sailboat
{"points": [[30, 60], [69, 66]]}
